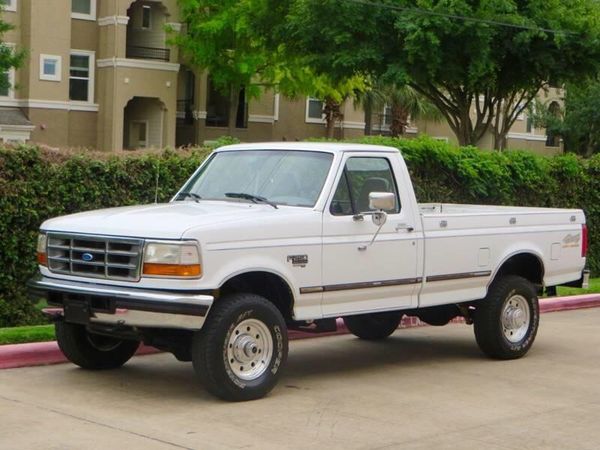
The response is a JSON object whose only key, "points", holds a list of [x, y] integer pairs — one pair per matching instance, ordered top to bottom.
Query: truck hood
{"points": [[158, 221]]}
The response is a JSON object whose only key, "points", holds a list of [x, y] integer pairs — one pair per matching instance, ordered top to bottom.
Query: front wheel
{"points": [[506, 320], [375, 326], [93, 351], [239, 353]]}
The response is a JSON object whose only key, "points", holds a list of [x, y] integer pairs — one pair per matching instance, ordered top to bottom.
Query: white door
{"points": [[358, 277]]}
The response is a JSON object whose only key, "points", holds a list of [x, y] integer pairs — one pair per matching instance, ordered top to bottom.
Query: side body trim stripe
{"points": [[458, 276], [398, 282], [361, 285]]}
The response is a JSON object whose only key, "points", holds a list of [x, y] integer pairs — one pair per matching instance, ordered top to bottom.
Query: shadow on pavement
{"points": [[162, 376]]}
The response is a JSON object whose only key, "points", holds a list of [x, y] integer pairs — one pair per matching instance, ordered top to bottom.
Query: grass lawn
{"points": [[593, 289], [19, 335]]}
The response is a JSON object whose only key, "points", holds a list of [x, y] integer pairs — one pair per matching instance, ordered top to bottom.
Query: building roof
{"points": [[13, 116], [332, 147]]}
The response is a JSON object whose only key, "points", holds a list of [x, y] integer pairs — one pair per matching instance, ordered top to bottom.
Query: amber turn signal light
{"points": [[42, 259], [173, 270]]}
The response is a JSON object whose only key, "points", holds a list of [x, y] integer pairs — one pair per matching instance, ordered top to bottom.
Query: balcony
{"points": [[158, 54]]}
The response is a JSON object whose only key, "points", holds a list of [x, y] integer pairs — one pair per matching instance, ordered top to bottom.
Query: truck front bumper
{"points": [[90, 303]]}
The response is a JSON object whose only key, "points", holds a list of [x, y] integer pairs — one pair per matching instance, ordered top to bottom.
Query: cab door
{"points": [[359, 277]]}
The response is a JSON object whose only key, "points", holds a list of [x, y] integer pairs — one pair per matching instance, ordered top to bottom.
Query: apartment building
{"points": [[101, 74]]}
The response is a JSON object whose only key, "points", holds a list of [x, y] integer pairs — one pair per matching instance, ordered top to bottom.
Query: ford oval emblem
{"points": [[87, 257]]}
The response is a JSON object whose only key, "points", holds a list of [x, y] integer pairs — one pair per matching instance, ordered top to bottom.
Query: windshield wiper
{"points": [[183, 195], [253, 198]]}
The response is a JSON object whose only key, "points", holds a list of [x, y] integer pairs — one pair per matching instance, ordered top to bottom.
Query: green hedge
{"points": [[36, 184]]}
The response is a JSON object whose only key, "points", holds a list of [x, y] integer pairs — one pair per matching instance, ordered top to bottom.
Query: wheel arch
{"points": [[527, 264], [268, 284]]}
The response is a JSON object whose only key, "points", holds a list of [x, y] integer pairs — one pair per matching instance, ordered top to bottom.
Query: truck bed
{"points": [[437, 216], [476, 239]]}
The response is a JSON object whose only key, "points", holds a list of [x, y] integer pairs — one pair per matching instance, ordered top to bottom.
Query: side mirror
{"points": [[382, 200]]}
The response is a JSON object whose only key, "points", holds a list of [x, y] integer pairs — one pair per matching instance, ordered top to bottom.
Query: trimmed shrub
{"points": [[38, 183]]}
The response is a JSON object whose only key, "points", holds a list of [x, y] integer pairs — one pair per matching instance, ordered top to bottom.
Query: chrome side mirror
{"points": [[382, 200], [379, 201]]}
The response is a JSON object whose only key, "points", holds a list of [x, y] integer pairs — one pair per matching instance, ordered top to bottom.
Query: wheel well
{"points": [[526, 265], [267, 285]]}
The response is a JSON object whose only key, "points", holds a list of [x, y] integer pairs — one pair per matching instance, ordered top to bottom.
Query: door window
{"points": [[361, 176]]}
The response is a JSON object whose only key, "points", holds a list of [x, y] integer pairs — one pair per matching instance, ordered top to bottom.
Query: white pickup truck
{"points": [[269, 237]]}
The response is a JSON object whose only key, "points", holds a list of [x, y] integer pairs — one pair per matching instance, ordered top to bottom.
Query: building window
{"points": [[8, 5], [83, 9], [146, 17], [50, 67], [81, 77], [7, 83], [314, 110], [529, 125]]}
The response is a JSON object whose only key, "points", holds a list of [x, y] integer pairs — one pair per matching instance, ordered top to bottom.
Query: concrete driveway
{"points": [[422, 388]]}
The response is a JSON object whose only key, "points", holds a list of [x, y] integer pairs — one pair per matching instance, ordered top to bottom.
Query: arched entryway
{"points": [[144, 123]]}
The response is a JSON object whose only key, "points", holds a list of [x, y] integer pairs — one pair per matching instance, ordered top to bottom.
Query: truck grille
{"points": [[95, 256]]}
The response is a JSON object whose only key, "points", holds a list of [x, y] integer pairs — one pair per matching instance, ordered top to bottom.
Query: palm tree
{"points": [[370, 100], [407, 104]]}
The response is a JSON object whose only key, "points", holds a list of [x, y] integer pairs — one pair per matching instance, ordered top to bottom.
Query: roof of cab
{"points": [[333, 147]]}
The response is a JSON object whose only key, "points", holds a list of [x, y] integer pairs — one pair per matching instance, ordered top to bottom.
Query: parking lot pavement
{"points": [[422, 388]]}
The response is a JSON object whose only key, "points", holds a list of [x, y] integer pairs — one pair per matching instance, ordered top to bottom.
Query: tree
{"points": [[219, 38], [226, 39], [9, 56], [480, 63], [334, 94], [370, 99], [406, 104], [577, 121]]}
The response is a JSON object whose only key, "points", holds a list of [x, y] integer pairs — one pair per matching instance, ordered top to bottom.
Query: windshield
{"points": [[283, 177]]}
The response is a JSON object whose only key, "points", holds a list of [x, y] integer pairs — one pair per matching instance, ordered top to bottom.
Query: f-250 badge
{"points": [[571, 240], [298, 260]]}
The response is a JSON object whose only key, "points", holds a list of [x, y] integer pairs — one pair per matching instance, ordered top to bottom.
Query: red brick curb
{"points": [[44, 353]]}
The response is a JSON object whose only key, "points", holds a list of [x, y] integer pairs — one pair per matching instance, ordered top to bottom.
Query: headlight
{"points": [[42, 257], [172, 260]]}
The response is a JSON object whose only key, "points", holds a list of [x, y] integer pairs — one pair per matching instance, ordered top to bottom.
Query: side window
{"points": [[363, 175]]}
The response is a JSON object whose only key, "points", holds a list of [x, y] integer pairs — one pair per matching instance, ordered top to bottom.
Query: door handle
{"points": [[403, 226]]}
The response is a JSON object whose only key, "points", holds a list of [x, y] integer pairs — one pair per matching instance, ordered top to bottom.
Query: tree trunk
{"points": [[234, 100], [331, 109], [399, 120], [463, 135], [500, 140]]}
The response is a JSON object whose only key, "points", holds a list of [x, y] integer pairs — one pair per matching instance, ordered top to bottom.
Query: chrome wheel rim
{"points": [[515, 318], [249, 349]]}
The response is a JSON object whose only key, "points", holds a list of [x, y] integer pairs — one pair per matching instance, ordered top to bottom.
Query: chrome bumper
{"points": [[121, 306]]}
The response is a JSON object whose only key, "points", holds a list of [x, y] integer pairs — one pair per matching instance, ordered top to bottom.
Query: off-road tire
{"points": [[488, 318], [374, 326], [92, 351], [216, 370]]}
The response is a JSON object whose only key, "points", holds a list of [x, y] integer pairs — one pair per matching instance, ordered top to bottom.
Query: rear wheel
{"points": [[506, 321], [373, 326], [93, 351], [239, 353]]}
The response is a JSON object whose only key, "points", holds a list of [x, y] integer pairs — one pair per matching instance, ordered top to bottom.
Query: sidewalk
{"points": [[44, 353]]}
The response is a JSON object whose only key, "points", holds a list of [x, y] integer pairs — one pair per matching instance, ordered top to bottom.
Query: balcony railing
{"points": [[159, 54]]}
